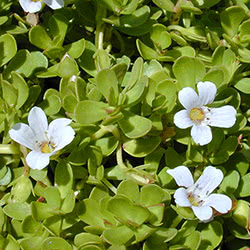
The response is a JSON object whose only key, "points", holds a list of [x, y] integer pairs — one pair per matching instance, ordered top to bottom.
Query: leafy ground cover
{"points": [[124, 124]]}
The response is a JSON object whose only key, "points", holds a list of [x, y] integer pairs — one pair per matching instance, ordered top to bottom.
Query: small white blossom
{"points": [[33, 6], [200, 117], [42, 139], [198, 195]]}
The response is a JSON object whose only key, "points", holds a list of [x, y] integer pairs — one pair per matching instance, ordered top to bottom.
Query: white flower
{"points": [[33, 6], [200, 117], [44, 140], [198, 196]]}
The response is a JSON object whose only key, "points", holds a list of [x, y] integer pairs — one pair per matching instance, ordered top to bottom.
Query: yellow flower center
{"points": [[196, 114], [47, 147], [193, 200]]}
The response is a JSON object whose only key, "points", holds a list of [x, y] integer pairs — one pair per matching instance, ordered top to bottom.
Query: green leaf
{"points": [[165, 4], [114, 5], [130, 7], [231, 18], [135, 19], [58, 25], [139, 30], [244, 32], [160, 36], [39, 37], [8, 48], [76, 49], [145, 51], [102, 59], [86, 60], [38, 62], [21, 63], [67, 67], [188, 71], [105, 81], [243, 85], [22, 89], [168, 89], [9, 93], [136, 94], [69, 103], [51, 105], [87, 112], [134, 126], [107, 145], [142, 146], [228, 147], [172, 158], [7, 178], [64, 178], [230, 182], [244, 186], [130, 189], [21, 190], [53, 197], [68, 203], [17, 211], [40, 211], [90, 212], [127, 212], [241, 213], [30, 225], [211, 234], [118, 235], [82, 239], [11, 243], [52, 243]]}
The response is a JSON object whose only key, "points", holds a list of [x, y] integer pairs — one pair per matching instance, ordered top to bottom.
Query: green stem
{"points": [[101, 12], [100, 133], [9, 149], [119, 158], [26, 170], [109, 185]]}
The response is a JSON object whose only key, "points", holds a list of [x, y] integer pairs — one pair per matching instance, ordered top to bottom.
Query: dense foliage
{"points": [[115, 68]]}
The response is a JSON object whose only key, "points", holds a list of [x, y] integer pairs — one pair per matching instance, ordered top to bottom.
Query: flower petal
{"points": [[54, 4], [30, 6], [207, 91], [188, 98], [223, 117], [182, 120], [38, 122], [58, 124], [60, 133], [22, 134], [201, 134], [64, 137], [37, 160], [182, 176], [207, 182], [181, 198], [219, 202], [203, 213]]}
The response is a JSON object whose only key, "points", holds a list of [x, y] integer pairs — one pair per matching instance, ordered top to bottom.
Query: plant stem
{"points": [[101, 12], [100, 133], [119, 158], [26, 167], [109, 185]]}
